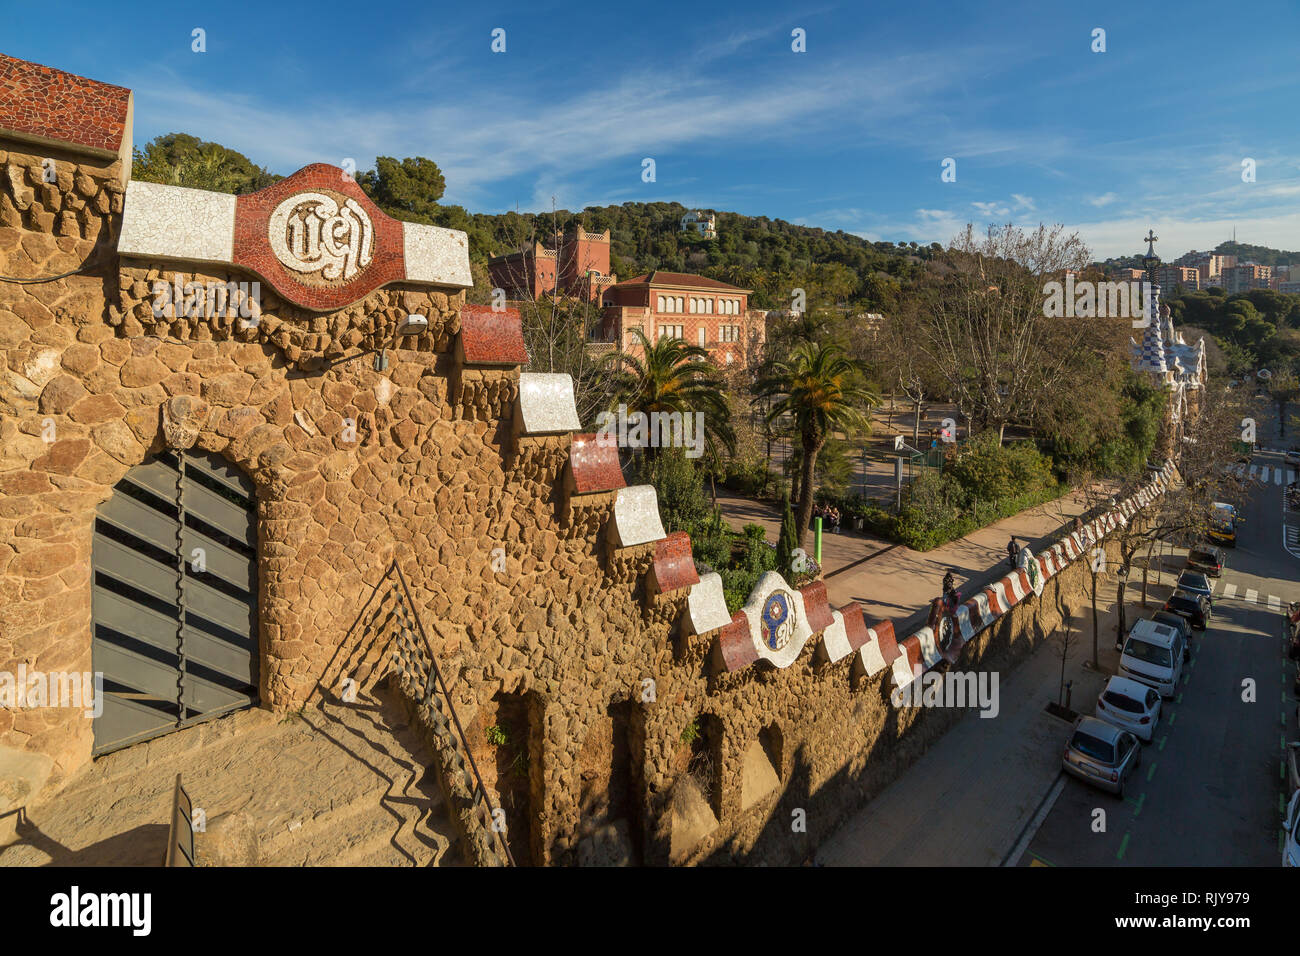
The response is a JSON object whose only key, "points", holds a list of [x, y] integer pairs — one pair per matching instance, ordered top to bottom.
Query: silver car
{"points": [[1101, 754]]}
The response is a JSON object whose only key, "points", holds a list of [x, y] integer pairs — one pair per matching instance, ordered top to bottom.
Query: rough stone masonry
{"points": [[562, 621]]}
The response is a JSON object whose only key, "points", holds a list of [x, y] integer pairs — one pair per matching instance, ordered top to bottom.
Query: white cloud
{"points": [[1103, 200]]}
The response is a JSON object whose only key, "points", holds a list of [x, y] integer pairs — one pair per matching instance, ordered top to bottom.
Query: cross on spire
{"points": [[1150, 240]]}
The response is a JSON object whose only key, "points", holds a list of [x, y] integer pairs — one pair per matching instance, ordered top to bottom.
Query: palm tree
{"points": [[673, 376], [819, 388]]}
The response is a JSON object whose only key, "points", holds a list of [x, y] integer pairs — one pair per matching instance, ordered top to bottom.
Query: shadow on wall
{"points": [[801, 817]]}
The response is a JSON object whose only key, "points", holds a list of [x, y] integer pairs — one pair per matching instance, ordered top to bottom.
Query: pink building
{"points": [[701, 311]]}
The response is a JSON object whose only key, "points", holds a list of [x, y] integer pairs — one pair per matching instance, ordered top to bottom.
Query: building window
{"points": [[691, 304], [661, 305], [709, 306], [671, 332], [729, 333], [701, 336]]}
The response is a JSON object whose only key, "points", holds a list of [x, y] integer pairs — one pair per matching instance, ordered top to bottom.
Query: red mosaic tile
{"points": [[40, 101], [252, 249], [492, 338], [594, 464], [674, 566], [996, 604], [817, 606], [855, 624], [886, 641], [737, 644], [912, 648]]}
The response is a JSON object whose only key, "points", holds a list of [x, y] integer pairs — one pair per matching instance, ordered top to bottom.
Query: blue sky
{"points": [[848, 135]]}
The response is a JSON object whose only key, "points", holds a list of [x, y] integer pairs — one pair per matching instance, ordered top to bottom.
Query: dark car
{"points": [[1207, 560], [1194, 607], [1179, 624]]}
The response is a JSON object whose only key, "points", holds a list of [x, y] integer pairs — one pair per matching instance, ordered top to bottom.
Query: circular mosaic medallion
{"points": [[778, 620]]}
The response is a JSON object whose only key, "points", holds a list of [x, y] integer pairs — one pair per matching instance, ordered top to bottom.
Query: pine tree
{"points": [[789, 539]]}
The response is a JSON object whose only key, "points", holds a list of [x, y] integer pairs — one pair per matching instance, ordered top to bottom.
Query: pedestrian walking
{"points": [[1013, 549]]}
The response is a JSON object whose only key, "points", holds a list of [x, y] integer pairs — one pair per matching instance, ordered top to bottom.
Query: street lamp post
{"points": [[1122, 576]]}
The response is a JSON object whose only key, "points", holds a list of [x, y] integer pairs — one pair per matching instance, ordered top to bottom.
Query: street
{"points": [[1209, 791]]}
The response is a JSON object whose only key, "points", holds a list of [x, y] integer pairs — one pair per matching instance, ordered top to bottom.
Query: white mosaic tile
{"points": [[173, 222], [434, 254], [546, 404], [636, 516], [706, 605], [778, 620], [836, 639]]}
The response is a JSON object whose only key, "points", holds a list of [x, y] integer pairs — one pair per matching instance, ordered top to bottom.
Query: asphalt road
{"points": [[1209, 791]]}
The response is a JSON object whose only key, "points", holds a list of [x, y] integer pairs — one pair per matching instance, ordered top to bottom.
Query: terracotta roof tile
{"points": [[47, 104], [683, 279]]}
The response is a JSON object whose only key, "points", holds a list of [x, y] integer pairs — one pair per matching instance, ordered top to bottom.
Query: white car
{"points": [[1153, 655], [1130, 706], [1291, 849]]}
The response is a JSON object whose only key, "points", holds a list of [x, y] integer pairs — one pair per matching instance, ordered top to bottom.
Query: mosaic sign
{"points": [[322, 233]]}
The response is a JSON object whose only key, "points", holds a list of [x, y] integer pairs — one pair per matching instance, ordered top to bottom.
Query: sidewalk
{"points": [[900, 583], [969, 798]]}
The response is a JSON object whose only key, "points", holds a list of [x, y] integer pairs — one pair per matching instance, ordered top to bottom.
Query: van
{"points": [[1153, 655]]}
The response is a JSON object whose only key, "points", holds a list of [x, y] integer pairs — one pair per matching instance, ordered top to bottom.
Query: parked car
{"points": [[1293, 456], [1206, 559], [1197, 583], [1194, 607], [1178, 623], [1153, 655], [1130, 706], [1101, 754], [1293, 766], [1291, 824]]}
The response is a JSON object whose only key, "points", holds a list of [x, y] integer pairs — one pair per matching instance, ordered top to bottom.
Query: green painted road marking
{"points": [[1179, 698], [1173, 717], [1160, 745], [1152, 772], [1137, 805], [1281, 840], [1123, 847]]}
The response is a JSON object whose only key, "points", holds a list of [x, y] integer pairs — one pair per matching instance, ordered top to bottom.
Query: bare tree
{"points": [[982, 321], [561, 331], [906, 368], [1204, 440]]}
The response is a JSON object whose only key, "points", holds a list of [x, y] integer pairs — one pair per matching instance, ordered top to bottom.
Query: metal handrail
{"points": [[460, 731]]}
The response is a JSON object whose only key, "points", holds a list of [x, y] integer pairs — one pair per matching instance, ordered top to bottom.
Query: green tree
{"points": [[179, 159], [407, 189], [672, 377], [818, 388], [1283, 388], [789, 539]]}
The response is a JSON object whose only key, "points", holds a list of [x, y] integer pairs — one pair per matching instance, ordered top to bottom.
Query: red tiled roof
{"points": [[49, 105], [683, 279]]}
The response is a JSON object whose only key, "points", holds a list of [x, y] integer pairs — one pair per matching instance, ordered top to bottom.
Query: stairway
{"points": [[332, 785]]}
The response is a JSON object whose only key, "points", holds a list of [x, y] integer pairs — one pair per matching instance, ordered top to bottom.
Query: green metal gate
{"points": [[174, 605]]}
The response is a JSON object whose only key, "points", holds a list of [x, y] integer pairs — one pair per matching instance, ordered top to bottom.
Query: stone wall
{"points": [[545, 602]]}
